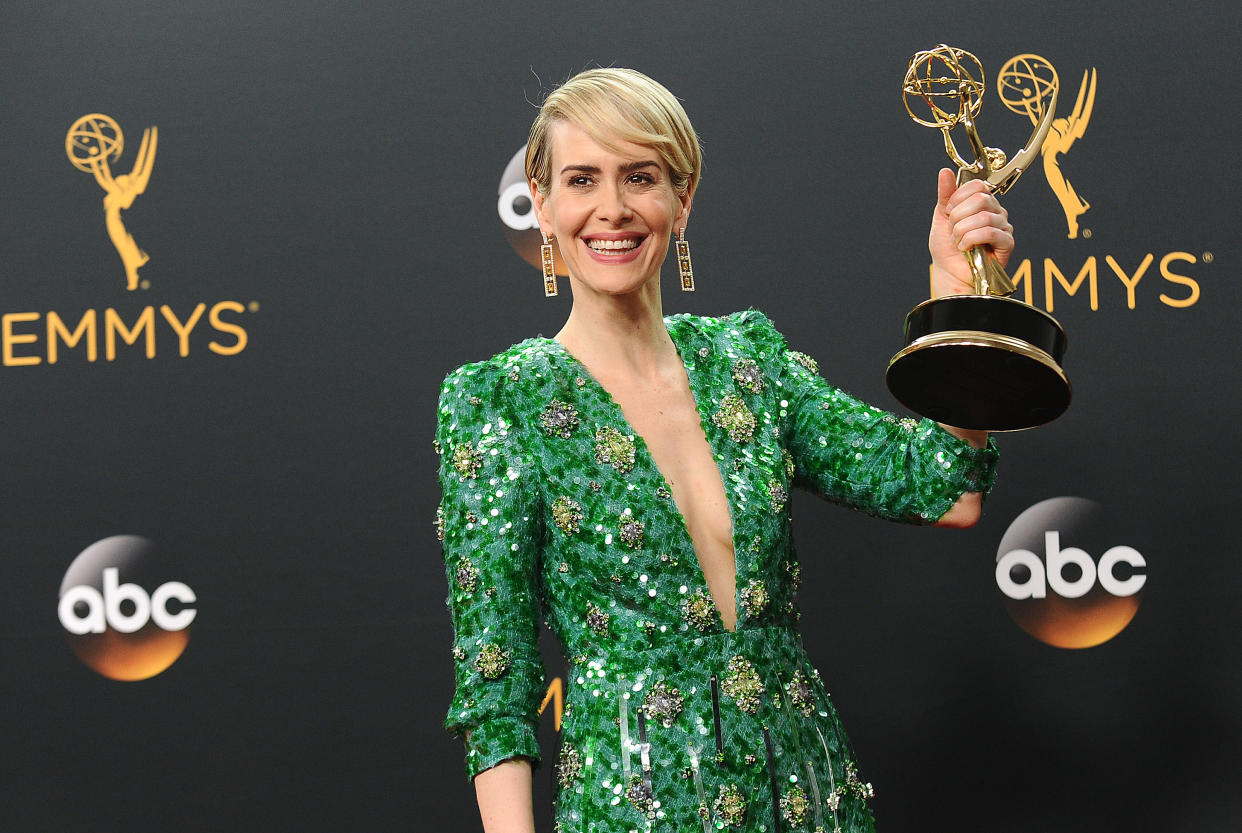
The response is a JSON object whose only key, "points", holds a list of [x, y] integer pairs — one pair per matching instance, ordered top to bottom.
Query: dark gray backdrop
{"points": [[333, 168]]}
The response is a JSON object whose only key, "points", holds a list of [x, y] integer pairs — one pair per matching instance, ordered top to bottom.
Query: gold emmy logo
{"points": [[1025, 82], [92, 141]]}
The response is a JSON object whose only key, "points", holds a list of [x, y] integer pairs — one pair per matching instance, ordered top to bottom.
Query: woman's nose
{"points": [[613, 205]]}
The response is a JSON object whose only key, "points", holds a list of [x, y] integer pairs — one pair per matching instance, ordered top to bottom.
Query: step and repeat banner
{"points": [[243, 243]]}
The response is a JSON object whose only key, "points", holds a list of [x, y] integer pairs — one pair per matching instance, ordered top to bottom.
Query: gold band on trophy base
{"points": [[981, 361]]}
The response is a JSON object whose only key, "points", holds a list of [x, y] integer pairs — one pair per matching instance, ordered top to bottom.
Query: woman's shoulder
{"points": [[750, 325], [748, 333], [511, 361], [503, 384]]}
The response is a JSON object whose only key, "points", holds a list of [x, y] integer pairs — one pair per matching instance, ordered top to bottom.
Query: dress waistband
{"points": [[702, 649]]}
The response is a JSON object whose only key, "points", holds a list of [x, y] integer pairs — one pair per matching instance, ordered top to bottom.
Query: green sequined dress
{"points": [[553, 508]]}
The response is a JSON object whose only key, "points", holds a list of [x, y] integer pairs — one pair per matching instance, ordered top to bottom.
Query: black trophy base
{"points": [[981, 362]]}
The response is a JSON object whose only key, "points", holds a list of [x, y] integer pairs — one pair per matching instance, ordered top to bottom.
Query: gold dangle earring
{"points": [[549, 267], [684, 270]]}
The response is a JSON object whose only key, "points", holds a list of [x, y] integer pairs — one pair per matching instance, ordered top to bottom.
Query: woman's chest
{"points": [[635, 492]]}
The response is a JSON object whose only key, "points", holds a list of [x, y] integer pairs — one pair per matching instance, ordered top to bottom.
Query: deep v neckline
{"points": [[640, 442]]}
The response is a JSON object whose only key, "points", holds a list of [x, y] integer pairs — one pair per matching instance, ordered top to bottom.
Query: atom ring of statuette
{"points": [[949, 81], [1025, 84], [94, 139]]}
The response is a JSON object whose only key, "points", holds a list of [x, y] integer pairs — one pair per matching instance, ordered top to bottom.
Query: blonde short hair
{"points": [[612, 104]]}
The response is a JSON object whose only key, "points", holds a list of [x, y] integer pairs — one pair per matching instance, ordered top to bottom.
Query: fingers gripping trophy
{"points": [[984, 360]]}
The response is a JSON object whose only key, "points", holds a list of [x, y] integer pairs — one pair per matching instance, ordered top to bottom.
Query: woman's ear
{"points": [[539, 200], [683, 214]]}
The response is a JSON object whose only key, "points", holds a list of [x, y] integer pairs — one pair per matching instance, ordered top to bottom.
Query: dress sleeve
{"points": [[863, 457], [490, 528]]}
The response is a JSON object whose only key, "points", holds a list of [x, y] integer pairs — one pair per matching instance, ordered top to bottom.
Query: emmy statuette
{"points": [[984, 360]]}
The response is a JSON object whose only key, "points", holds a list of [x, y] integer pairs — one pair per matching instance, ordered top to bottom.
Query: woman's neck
{"points": [[619, 335]]}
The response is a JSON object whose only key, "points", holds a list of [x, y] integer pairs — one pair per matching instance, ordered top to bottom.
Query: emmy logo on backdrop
{"points": [[1024, 84], [92, 141], [981, 360]]}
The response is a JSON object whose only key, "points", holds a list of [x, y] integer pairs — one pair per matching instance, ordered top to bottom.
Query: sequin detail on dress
{"points": [[804, 360], [748, 375], [734, 417], [558, 419], [614, 448], [467, 461], [566, 514], [467, 576], [754, 598], [700, 611], [597, 620], [492, 662], [742, 683], [801, 695], [663, 703], [568, 766], [730, 806], [794, 806]]}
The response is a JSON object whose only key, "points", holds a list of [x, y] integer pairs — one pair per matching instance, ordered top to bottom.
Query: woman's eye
{"points": [[641, 179], [579, 181]]}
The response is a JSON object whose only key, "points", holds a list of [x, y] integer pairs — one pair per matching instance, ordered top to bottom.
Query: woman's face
{"points": [[612, 212]]}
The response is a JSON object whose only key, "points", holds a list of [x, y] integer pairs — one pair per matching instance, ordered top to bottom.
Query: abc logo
{"points": [[517, 213], [1065, 578], [121, 617]]}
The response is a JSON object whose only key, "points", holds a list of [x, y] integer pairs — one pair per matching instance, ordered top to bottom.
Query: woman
{"points": [[629, 480]]}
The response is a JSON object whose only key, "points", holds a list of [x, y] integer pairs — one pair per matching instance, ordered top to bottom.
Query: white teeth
{"points": [[613, 245]]}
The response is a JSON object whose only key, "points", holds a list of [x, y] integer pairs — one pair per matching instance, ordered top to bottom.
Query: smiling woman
{"points": [[611, 210], [629, 480]]}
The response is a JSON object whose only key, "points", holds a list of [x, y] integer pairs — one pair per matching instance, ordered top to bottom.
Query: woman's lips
{"points": [[614, 249]]}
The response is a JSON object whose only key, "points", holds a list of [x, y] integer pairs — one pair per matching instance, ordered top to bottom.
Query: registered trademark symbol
{"points": [[1086, 233], [1208, 257], [145, 285], [254, 306]]}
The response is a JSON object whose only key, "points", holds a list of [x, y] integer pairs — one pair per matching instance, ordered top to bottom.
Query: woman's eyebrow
{"points": [[626, 168]]}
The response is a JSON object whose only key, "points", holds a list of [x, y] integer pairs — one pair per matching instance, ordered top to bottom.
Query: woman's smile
{"points": [[614, 248]]}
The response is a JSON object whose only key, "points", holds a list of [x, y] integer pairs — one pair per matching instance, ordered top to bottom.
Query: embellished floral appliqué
{"points": [[804, 360], [748, 375], [734, 417], [558, 419], [614, 448], [467, 460], [778, 494], [566, 514], [632, 532], [467, 575], [754, 598], [699, 610], [597, 620], [492, 662], [742, 683], [801, 695], [663, 703], [568, 766], [855, 785], [640, 796], [730, 805], [794, 806]]}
